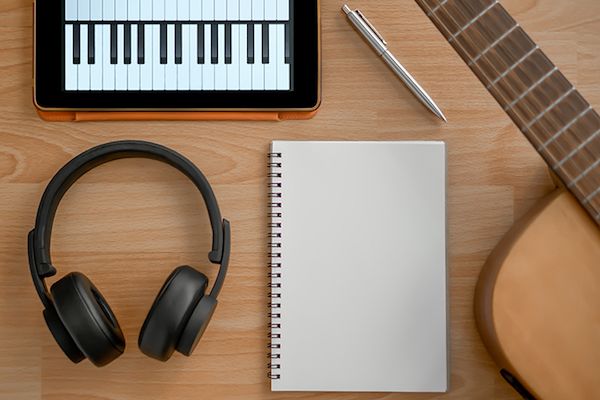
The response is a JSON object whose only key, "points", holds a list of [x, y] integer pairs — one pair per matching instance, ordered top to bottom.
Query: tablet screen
{"points": [[178, 45]]}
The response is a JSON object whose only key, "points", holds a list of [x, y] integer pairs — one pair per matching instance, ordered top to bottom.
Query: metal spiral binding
{"points": [[274, 265]]}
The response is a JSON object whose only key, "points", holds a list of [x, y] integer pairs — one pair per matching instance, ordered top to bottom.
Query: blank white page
{"points": [[363, 267]]}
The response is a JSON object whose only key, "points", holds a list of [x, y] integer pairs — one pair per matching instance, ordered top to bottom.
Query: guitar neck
{"points": [[554, 117]]}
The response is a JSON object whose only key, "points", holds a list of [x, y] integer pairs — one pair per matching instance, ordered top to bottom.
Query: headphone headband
{"points": [[39, 238]]}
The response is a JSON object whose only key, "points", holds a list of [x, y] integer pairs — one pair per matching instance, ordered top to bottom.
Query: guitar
{"points": [[537, 301]]}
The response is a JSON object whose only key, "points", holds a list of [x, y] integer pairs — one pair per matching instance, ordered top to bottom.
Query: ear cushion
{"points": [[170, 312], [88, 318], [196, 325], [62, 336]]}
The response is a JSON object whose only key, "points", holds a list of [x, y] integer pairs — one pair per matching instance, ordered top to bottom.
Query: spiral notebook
{"points": [[358, 266]]}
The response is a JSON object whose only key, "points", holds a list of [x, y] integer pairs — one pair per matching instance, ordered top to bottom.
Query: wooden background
{"points": [[128, 224]]}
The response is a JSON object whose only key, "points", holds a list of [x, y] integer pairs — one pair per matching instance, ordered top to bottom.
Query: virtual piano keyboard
{"points": [[158, 45]]}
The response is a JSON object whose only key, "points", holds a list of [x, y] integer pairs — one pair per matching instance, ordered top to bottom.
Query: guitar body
{"points": [[537, 302]]}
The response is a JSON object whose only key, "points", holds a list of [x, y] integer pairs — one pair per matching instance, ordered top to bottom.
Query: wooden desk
{"points": [[128, 224]]}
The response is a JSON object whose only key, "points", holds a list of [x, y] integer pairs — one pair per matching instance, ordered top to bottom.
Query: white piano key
{"points": [[71, 7], [108, 7], [158, 9], [183, 9], [208, 9], [83, 10], [95, 10], [120, 10], [133, 10], [145, 10], [171, 10], [195, 10], [220, 10], [233, 10], [245, 10], [258, 10], [270, 10], [283, 10], [121, 67], [171, 67], [221, 67], [271, 67], [96, 68], [195, 68], [245, 68], [258, 68], [83, 69], [108, 69], [133, 69], [146, 69], [158, 69], [183, 69], [208, 69], [233, 69], [283, 69], [71, 78]]}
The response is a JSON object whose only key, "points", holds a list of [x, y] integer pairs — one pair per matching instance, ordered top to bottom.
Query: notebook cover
{"points": [[358, 267]]}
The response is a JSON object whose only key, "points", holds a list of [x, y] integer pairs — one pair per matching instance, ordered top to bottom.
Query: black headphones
{"points": [[79, 317]]}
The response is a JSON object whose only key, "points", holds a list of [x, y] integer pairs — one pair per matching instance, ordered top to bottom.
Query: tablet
{"points": [[177, 55]]}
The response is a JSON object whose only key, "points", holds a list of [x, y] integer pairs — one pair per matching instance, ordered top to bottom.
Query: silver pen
{"points": [[368, 31]]}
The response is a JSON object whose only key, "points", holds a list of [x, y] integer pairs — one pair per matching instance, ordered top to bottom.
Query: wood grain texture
{"points": [[129, 223]]}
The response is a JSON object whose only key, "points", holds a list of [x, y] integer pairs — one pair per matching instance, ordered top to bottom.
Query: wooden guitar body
{"points": [[537, 302]]}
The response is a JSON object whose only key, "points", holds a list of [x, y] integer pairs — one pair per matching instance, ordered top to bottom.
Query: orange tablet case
{"points": [[66, 116]]}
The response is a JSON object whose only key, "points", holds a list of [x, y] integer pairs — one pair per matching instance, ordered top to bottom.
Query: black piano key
{"points": [[113, 43], [140, 43], [163, 43], [200, 43], [227, 43], [265, 43], [76, 44], [91, 44], [127, 44], [178, 44], [214, 44], [250, 45], [288, 45]]}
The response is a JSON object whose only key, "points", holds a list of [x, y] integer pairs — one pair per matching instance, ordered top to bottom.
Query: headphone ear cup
{"points": [[170, 312], [87, 318], [196, 325], [62, 336]]}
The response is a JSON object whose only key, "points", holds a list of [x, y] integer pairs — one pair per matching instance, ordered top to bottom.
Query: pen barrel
{"points": [[367, 33], [411, 83]]}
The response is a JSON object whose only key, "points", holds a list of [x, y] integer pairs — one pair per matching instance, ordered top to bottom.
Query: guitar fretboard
{"points": [[550, 112]]}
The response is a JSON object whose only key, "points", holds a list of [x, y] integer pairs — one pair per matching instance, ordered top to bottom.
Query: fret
{"points": [[434, 9], [462, 12], [473, 20], [492, 45], [513, 66], [530, 88], [543, 99], [550, 107], [552, 121], [564, 129], [575, 148], [584, 173], [589, 198]]}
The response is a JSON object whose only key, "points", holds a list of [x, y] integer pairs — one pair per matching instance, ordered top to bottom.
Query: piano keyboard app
{"points": [[178, 45]]}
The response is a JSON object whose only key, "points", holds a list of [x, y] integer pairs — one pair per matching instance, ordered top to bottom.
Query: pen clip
{"points": [[375, 31]]}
